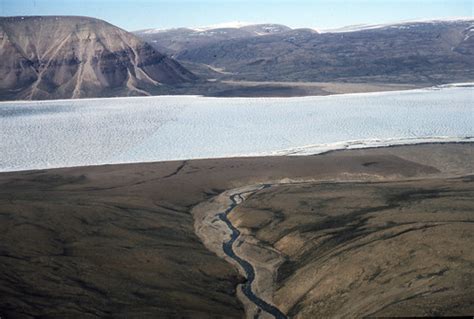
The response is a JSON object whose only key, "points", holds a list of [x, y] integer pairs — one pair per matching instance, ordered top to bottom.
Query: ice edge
{"points": [[296, 151]]}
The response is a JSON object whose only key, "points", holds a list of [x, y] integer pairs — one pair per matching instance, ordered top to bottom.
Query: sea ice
{"points": [[45, 134]]}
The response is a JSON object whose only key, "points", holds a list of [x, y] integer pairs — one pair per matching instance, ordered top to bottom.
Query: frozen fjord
{"points": [[46, 134]]}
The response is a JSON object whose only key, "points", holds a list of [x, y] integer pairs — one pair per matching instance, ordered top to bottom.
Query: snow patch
{"points": [[225, 25], [395, 25]]}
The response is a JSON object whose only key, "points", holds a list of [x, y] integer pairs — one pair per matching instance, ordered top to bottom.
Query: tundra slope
{"points": [[118, 240], [360, 249]]}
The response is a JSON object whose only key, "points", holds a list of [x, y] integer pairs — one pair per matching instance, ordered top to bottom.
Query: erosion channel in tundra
{"points": [[283, 235], [246, 266]]}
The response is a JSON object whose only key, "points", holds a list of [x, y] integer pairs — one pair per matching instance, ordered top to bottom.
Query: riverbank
{"points": [[121, 240], [321, 249]]}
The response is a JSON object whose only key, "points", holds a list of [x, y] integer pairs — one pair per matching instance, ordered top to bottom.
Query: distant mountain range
{"points": [[174, 41], [425, 52], [74, 57]]}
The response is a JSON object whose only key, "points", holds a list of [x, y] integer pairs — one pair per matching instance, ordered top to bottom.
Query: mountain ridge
{"points": [[344, 28], [174, 40], [425, 53]]}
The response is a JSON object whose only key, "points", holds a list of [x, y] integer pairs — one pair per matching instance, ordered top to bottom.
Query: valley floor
{"points": [[295, 89], [383, 231]]}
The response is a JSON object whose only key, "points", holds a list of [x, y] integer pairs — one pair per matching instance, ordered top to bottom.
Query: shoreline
{"points": [[375, 92], [464, 140]]}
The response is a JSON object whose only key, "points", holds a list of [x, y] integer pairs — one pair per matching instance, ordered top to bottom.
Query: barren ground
{"points": [[119, 240]]}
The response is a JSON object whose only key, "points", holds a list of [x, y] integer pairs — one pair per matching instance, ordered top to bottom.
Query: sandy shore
{"points": [[120, 240]]}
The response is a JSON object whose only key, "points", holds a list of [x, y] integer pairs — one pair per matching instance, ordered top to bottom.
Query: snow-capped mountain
{"points": [[395, 25], [172, 41]]}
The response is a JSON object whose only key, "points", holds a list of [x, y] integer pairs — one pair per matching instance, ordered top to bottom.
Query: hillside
{"points": [[420, 53], [76, 57], [119, 241]]}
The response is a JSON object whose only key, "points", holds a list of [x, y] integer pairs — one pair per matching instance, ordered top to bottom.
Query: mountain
{"points": [[173, 41], [419, 53], [46, 57], [75, 57]]}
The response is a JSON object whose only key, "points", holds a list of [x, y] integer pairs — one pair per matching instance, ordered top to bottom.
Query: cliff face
{"points": [[74, 57]]}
